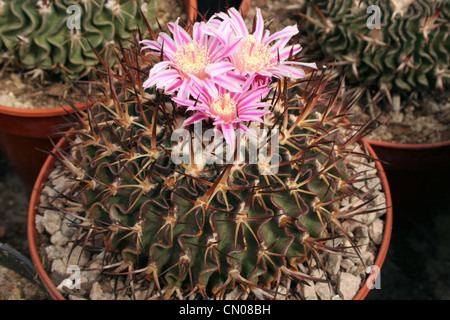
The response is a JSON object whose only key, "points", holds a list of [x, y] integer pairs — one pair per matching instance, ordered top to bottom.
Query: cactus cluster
{"points": [[56, 35], [396, 47], [206, 228]]}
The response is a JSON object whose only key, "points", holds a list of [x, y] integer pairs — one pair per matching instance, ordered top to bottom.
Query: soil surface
{"points": [[18, 91], [418, 261]]}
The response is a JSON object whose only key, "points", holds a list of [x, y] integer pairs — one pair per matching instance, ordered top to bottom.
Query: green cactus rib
{"points": [[41, 39], [404, 59], [207, 228]]}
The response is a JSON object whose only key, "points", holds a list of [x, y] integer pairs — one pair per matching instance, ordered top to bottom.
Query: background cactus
{"points": [[47, 36], [408, 53], [203, 228]]}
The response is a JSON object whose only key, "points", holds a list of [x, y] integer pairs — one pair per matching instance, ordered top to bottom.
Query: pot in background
{"points": [[26, 134], [407, 157], [15, 261]]}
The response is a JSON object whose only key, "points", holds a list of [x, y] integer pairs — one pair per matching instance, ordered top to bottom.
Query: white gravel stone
{"points": [[51, 221], [39, 225], [66, 230], [376, 230], [59, 239], [54, 252], [78, 257], [333, 264], [346, 264], [59, 267], [348, 285], [323, 291], [307, 292], [97, 293]]}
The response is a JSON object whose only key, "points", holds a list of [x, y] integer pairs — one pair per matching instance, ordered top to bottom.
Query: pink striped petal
{"points": [[236, 22], [259, 27], [286, 33], [180, 35], [167, 44], [150, 45], [284, 53], [312, 65], [159, 67], [218, 68], [288, 71], [166, 76], [174, 85], [253, 96], [252, 106], [195, 118], [229, 134]]}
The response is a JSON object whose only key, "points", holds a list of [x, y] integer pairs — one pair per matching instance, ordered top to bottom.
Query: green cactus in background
{"points": [[56, 36], [407, 52], [200, 228]]}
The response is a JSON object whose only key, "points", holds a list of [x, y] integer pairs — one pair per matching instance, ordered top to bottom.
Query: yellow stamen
{"points": [[253, 55], [193, 58], [224, 107]]}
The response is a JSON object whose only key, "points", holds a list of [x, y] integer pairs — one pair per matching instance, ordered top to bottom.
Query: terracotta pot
{"points": [[208, 7], [25, 134], [408, 157], [382, 252], [55, 294]]}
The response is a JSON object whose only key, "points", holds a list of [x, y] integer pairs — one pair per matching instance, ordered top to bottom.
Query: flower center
{"points": [[253, 55], [193, 58], [224, 107]]}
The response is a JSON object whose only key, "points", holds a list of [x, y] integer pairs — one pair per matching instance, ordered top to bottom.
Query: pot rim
{"points": [[39, 113], [409, 146], [50, 161], [388, 222]]}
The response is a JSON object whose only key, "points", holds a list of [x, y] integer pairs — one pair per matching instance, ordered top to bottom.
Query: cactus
{"points": [[56, 36], [407, 52], [199, 227]]}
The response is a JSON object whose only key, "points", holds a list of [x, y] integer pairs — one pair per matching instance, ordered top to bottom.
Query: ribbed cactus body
{"points": [[54, 35], [409, 52], [211, 227]]}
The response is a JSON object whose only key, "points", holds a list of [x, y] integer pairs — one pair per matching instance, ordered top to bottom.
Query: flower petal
{"points": [[236, 21], [259, 27], [284, 34], [180, 35], [218, 68], [288, 71], [165, 76], [228, 83], [195, 118], [229, 134]]}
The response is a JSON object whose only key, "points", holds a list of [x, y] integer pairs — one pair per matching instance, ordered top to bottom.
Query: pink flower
{"points": [[256, 54], [200, 56], [226, 108]]}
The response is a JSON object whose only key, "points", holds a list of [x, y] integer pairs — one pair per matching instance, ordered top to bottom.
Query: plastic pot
{"points": [[25, 134], [17, 262], [55, 294]]}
